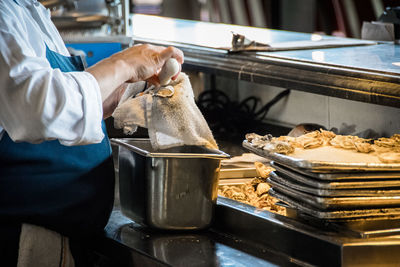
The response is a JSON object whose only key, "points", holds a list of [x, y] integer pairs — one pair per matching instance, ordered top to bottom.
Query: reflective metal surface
{"points": [[68, 4], [89, 16], [81, 21], [218, 35], [383, 58], [362, 73], [143, 147], [319, 165], [327, 176], [339, 183], [172, 189], [370, 192], [337, 203], [338, 214], [244, 236], [319, 242], [199, 248], [196, 249]]}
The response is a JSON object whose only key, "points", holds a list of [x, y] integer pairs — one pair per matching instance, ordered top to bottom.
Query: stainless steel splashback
{"points": [[90, 14]]}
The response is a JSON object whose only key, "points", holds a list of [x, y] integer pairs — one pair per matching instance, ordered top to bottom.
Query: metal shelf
{"points": [[360, 73]]}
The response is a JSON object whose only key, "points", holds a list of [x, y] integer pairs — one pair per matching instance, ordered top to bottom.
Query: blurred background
{"points": [[332, 17], [99, 28]]}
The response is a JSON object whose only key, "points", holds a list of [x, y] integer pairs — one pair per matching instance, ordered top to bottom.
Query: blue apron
{"points": [[67, 189]]}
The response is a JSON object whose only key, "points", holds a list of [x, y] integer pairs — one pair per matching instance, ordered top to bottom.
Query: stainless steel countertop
{"points": [[363, 73], [241, 236], [128, 243], [204, 248]]}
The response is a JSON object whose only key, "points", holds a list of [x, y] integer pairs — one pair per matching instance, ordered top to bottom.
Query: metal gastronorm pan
{"points": [[321, 166], [362, 175], [336, 184], [171, 189], [373, 192], [324, 203], [348, 214]]}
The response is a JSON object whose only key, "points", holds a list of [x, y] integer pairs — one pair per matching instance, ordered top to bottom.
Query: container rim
{"points": [[214, 153]]}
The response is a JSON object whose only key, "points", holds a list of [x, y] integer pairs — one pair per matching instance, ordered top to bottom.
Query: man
{"points": [[55, 158]]}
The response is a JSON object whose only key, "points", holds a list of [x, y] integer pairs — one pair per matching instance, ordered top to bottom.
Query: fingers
{"points": [[172, 52], [164, 55], [147, 60], [177, 74], [154, 80]]}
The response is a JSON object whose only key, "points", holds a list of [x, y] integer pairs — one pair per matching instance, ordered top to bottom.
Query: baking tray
{"points": [[366, 162], [233, 173], [363, 175], [235, 181], [289, 182], [338, 184], [325, 203], [338, 215]]}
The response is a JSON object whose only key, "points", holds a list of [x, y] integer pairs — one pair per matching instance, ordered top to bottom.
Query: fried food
{"points": [[327, 134], [393, 141], [309, 143], [280, 147], [363, 147], [386, 149], [389, 157], [262, 170], [262, 188], [255, 192], [254, 195]]}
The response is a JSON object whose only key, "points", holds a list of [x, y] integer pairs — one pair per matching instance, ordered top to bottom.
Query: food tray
{"points": [[307, 159], [232, 173], [363, 175], [235, 181], [338, 184], [373, 192], [325, 203], [350, 214]]}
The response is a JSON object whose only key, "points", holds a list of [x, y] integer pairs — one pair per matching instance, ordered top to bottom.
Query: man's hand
{"points": [[145, 61], [137, 63]]}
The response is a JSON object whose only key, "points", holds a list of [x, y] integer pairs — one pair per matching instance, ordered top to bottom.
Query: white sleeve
{"points": [[39, 103]]}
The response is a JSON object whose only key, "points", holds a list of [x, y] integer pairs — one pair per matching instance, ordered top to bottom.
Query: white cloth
{"points": [[37, 102], [170, 114], [42, 247]]}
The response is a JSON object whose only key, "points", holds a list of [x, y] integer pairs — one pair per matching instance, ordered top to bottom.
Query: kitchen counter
{"points": [[352, 69], [242, 236], [128, 243]]}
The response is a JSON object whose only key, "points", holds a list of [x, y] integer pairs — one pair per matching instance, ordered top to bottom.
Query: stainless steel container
{"points": [[172, 189]]}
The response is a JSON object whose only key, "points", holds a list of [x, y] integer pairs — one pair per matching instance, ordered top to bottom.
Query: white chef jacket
{"points": [[37, 102]]}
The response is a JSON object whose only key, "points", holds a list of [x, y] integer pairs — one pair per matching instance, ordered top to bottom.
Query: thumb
{"points": [[169, 52]]}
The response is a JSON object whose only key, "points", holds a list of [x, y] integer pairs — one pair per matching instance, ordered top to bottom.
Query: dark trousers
{"points": [[9, 244]]}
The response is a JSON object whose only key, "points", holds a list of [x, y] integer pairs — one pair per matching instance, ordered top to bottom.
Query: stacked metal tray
{"points": [[335, 191]]}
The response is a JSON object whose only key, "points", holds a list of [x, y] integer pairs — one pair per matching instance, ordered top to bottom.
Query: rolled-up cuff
{"points": [[92, 110]]}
